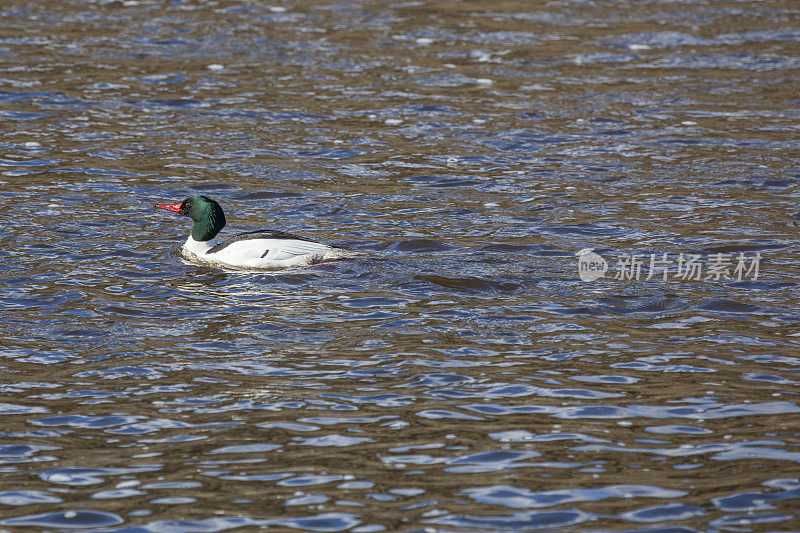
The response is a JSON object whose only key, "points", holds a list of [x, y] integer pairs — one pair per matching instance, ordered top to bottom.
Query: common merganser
{"points": [[260, 249]]}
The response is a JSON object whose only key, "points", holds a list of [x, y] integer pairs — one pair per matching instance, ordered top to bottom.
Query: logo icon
{"points": [[591, 266]]}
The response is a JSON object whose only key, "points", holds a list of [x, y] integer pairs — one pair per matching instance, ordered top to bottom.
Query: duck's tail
{"points": [[340, 253]]}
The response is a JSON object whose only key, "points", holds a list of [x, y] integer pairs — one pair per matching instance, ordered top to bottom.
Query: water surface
{"points": [[461, 376]]}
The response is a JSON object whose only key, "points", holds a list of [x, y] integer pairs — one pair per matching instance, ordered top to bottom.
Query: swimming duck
{"points": [[260, 249]]}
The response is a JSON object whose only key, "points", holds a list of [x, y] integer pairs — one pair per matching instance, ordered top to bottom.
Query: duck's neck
{"points": [[207, 228], [196, 247]]}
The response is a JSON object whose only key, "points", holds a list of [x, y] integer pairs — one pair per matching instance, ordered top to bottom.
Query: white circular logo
{"points": [[591, 266]]}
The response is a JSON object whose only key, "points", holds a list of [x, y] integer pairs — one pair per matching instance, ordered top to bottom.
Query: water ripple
{"points": [[460, 374]]}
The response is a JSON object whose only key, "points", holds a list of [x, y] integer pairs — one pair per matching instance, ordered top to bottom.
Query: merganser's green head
{"points": [[206, 213]]}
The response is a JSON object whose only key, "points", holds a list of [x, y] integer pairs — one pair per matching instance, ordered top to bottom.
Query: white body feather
{"points": [[260, 253]]}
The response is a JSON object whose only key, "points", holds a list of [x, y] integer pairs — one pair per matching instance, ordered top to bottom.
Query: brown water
{"points": [[461, 377]]}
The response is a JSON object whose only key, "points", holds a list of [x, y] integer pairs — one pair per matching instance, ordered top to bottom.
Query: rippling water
{"points": [[460, 376]]}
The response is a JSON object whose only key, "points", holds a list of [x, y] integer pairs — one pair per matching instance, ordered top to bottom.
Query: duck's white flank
{"points": [[261, 253]]}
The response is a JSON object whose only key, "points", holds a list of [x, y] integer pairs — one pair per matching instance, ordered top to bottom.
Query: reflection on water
{"points": [[459, 376]]}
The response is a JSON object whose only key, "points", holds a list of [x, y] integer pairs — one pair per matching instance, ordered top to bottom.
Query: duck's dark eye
{"points": [[186, 206]]}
